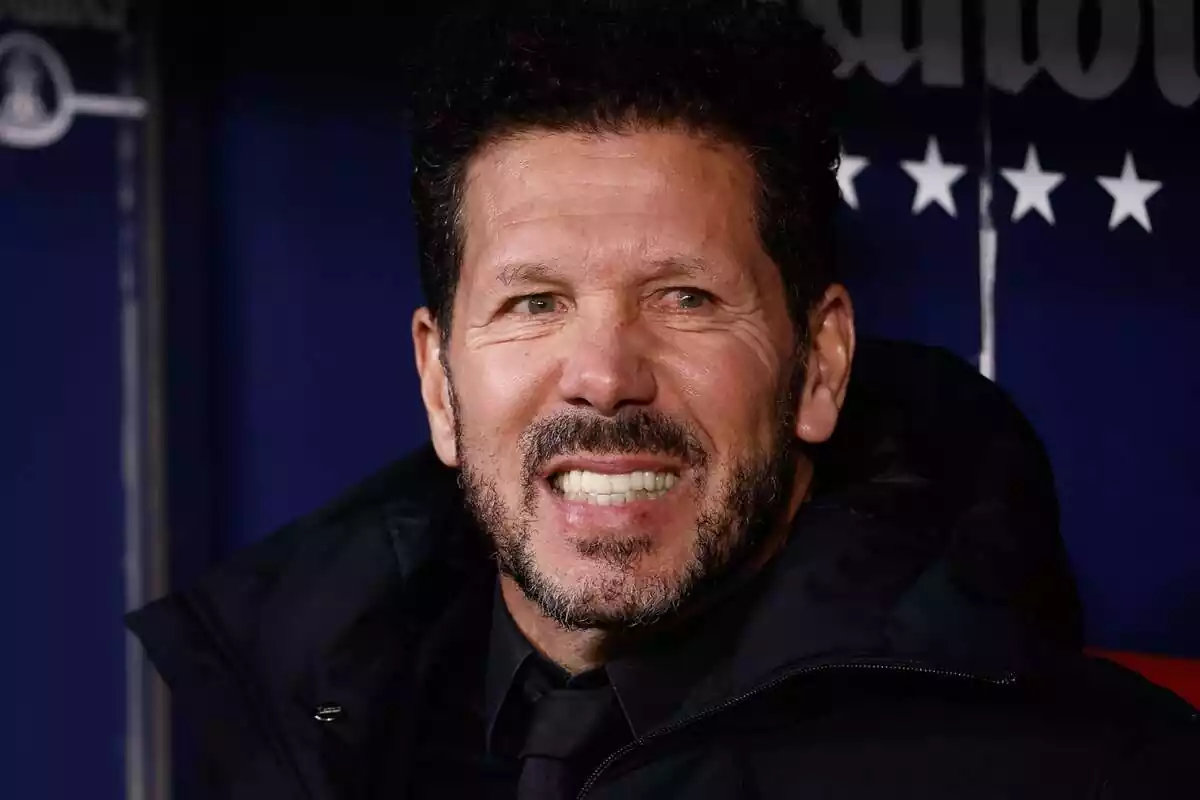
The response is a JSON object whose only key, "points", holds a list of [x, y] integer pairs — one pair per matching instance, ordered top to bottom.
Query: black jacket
{"points": [[918, 637]]}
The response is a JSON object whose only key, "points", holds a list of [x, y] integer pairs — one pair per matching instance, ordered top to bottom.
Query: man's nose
{"points": [[606, 368]]}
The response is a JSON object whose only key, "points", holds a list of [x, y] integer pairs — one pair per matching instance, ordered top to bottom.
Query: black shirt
{"points": [[534, 707], [476, 710]]}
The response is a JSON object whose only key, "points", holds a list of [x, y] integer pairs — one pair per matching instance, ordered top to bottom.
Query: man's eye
{"points": [[689, 299], [535, 304]]}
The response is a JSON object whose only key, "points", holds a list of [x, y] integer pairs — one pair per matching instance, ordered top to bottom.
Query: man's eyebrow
{"points": [[689, 266], [527, 272], [542, 272]]}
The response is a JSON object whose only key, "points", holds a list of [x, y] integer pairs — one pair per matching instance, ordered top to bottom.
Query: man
{"points": [[637, 561]]}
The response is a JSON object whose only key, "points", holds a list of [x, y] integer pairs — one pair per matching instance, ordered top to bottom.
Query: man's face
{"points": [[623, 389]]}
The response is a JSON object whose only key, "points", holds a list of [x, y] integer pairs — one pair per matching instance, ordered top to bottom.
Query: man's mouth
{"points": [[604, 489]]}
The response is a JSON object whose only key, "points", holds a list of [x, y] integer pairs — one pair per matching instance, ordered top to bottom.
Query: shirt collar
{"points": [[507, 652], [651, 684]]}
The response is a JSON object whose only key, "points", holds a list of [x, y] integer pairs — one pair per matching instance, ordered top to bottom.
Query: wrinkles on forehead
{"points": [[545, 203]]}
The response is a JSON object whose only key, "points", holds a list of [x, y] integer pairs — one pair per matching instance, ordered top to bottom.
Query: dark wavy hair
{"points": [[759, 78]]}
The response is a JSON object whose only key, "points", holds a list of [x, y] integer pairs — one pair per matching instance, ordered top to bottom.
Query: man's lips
{"points": [[612, 465]]}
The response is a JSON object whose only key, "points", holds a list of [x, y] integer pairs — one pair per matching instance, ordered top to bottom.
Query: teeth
{"points": [[595, 483], [613, 490], [611, 499]]}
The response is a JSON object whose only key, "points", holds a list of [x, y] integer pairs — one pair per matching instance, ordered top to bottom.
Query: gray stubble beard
{"points": [[729, 536]]}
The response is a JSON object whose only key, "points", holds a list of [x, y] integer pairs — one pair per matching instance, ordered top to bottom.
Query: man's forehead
{"points": [[663, 193]]}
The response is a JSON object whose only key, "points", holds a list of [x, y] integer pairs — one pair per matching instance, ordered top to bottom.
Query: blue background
{"points": [[291, 281], [62, 664]]}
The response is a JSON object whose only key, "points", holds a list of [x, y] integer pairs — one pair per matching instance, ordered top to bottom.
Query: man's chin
{"points": [[615, 591], [594, 611]]}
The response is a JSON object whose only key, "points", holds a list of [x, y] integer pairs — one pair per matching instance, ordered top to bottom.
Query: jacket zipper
{"points": [[1007, 680]]}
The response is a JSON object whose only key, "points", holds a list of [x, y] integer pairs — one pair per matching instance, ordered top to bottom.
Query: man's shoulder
{"points": [[304, 583], [320, 610], [1097, 721], [1085, 728]]}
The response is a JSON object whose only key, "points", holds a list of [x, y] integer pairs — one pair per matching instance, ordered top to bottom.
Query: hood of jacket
{"points": [[932, 538]]}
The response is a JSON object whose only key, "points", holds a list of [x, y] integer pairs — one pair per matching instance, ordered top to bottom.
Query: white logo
{"points": [[1126, 27], [38, 102]]}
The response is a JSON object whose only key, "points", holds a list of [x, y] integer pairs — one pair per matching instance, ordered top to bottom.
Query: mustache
{"points": [[639, 431]]}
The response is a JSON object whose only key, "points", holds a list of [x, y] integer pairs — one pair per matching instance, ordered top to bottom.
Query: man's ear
{"points": [[827, 376], [435, 385]]}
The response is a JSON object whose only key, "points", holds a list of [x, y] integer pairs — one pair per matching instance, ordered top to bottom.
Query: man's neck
{"points": [[578, 651]]}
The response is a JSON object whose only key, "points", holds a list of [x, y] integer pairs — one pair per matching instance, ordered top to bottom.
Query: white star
{"points": [[848, 170], [934, 179], [1033, 187], [1129, 195]]}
